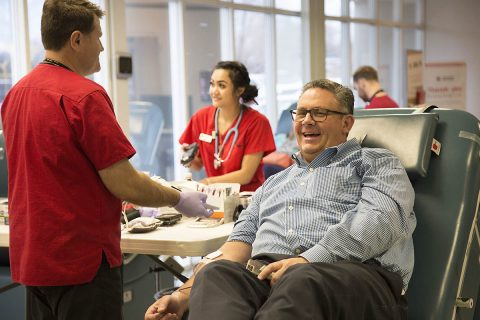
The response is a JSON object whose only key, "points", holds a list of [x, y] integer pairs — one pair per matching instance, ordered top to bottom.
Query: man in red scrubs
{"points": [[365, 81], [68, 172]]}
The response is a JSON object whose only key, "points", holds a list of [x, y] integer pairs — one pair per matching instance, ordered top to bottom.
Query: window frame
{"points": [[397, 74]]}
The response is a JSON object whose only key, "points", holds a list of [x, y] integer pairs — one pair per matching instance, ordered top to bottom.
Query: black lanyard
{"points": [[55, 63], [376, 92]]}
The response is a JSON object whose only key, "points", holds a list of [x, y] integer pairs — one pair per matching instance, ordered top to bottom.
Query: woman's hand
{"points": [[184, 147], [197, 163], [206, 181]]}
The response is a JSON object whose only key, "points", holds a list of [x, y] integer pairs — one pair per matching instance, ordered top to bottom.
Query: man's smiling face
{"points": [[313, 137]]}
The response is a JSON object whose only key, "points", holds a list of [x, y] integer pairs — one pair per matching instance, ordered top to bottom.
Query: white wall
{"points": [[453, 35]]}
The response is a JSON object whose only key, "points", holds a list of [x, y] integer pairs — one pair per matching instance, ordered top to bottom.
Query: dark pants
{"points": [[343, 290], [102, 298]]}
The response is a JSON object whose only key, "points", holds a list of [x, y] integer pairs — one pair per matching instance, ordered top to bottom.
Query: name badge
{"points": [[205, 137]]}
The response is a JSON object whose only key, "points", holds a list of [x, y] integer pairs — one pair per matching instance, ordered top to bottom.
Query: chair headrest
{"points": [[285, 122], [408, 136]]}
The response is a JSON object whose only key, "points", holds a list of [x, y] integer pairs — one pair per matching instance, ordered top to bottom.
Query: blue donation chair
{"points": [[146, 126], [284, 141], [446, 278]]}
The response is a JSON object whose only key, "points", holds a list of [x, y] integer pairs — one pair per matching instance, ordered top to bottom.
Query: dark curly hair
{"points": [[240, 78]]}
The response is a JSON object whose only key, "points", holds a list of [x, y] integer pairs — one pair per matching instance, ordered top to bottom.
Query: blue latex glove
{"points": [[193, 204]]}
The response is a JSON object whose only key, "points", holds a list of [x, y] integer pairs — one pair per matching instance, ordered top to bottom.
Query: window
{"points": [[252, 2], [294, 5], [333, 8], [361, 9], [386, 10], [413, 11], [34, 18], [203, 29], [376, 33], [413, 39], [363, 44], [175, 45], [6, 48], [21, 49], [250, 49], [37, 51], [202, 52], [333, 58], [386, 59], [289, 60], [150, 96]]}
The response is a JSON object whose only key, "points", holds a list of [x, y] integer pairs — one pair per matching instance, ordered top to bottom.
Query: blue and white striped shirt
{"points": [[349, 203]]}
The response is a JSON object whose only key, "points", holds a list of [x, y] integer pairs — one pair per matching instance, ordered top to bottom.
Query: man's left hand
{"points": [[278, 268]]}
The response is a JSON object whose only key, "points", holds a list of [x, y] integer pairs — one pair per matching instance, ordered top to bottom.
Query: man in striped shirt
{"points": [[334, 230]]}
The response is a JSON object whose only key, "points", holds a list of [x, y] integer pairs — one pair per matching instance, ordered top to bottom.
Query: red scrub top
{"points": [[381, 102], [60, 130], [254, 135]]}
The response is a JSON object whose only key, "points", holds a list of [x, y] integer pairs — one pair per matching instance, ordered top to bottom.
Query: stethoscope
{"points": [[217, 159]]}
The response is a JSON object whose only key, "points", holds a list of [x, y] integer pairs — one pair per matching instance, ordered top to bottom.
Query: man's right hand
{"points": [[193, 204], [278, 268], [166, 308]]}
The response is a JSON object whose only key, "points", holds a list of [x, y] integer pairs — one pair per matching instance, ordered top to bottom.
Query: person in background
{"points": [[365, 81], [232, 137], [68, 171], [333, 231]]}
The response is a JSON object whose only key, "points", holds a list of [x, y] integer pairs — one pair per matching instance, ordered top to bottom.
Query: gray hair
{"points": [[343, 95]]}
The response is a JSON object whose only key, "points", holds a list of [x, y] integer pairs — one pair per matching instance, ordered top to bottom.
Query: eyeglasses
{"points": [[317, 114]]}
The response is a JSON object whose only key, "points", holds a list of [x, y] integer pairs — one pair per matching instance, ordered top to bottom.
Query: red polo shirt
{"points": [[381, 102], [60, 130]]}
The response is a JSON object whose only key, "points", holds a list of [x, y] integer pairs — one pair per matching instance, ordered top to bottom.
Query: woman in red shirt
{"points": [[232, 137]]}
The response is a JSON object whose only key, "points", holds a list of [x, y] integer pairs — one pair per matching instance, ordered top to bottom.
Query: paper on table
{"points": [[216, 193]]}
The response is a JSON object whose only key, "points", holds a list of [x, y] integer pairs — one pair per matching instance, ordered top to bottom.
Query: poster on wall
{"points": [[415, 77], [445, 84]]}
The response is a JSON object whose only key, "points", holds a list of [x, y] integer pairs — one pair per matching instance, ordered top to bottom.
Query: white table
{"points": [[3, 235], [177, 240]]}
